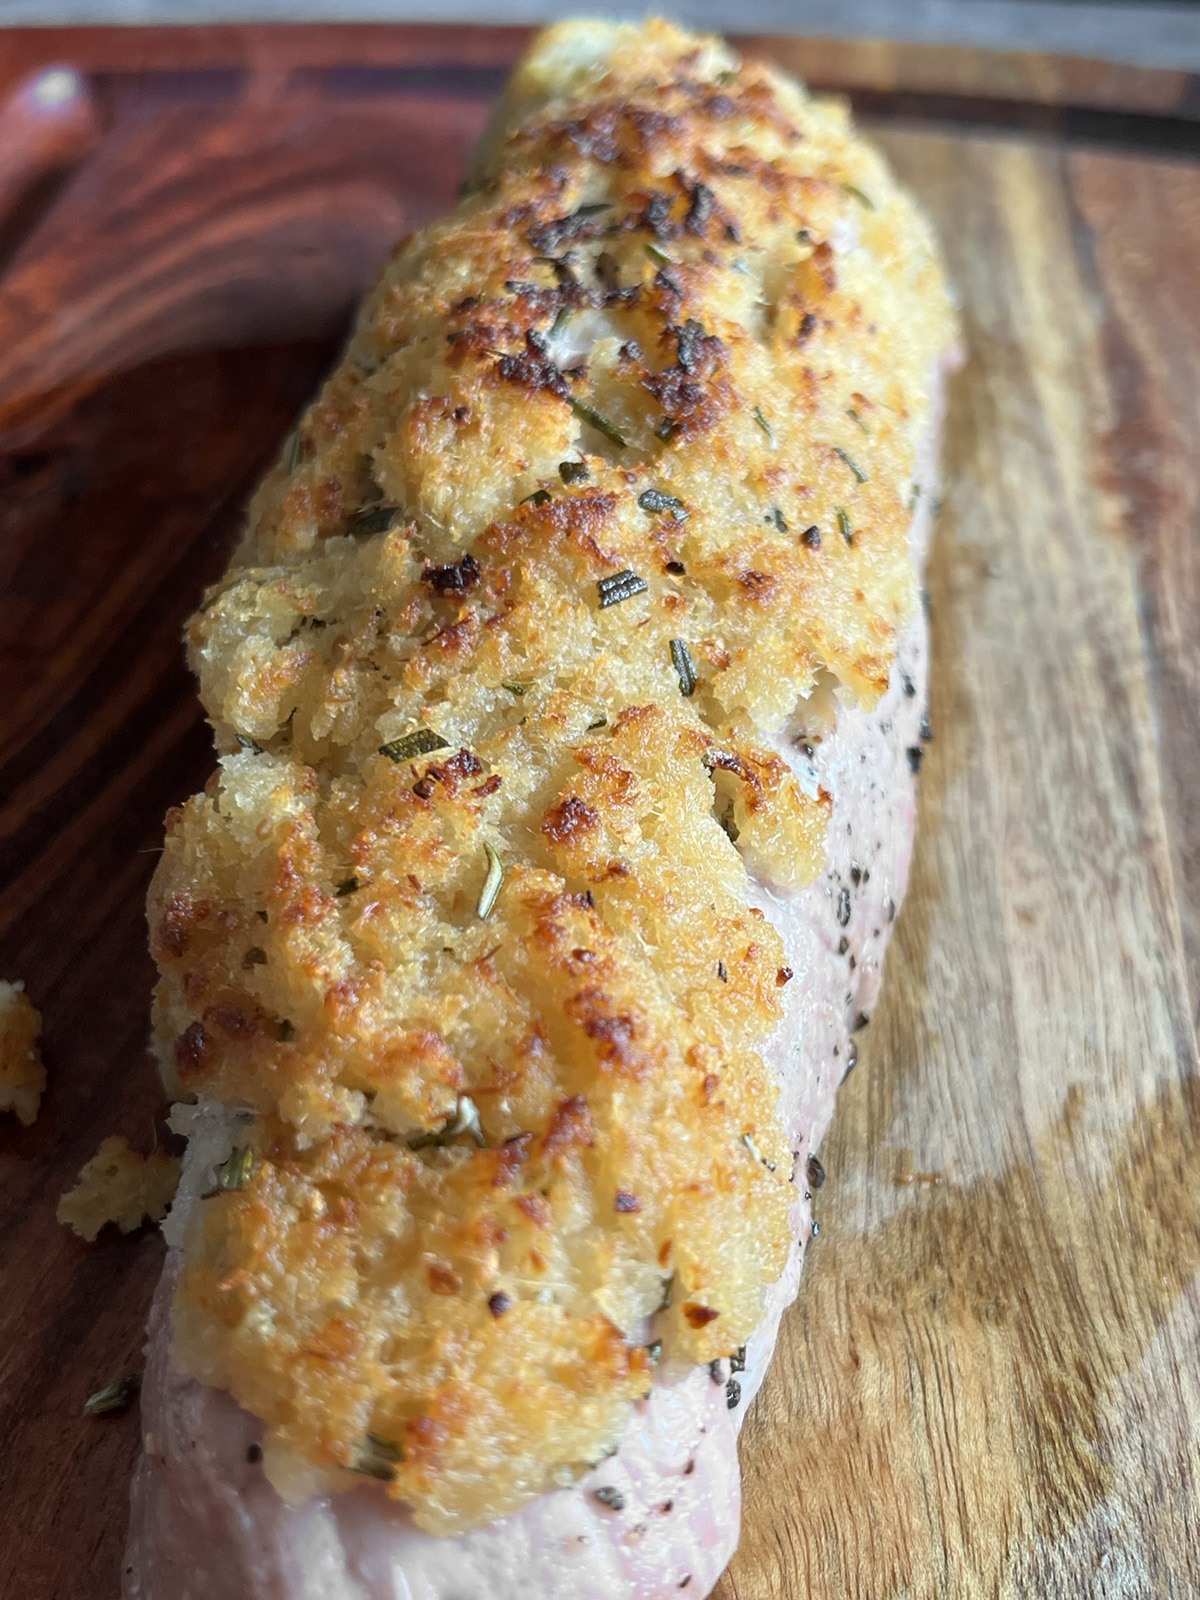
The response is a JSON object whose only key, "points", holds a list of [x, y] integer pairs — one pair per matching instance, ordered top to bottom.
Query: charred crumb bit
{"points": [[700, 209], [664, 280], [807, 323], [689, 343], [574, 471], [539, 498], [812, 537], [675, 568], [458, 577], [619, 587], [926, 730], [915, 756], [424, 788], [856, 874], [347, 886], [843, 906], [843, 945], [256, 956], [722, 973], [784, 975], [860, 1022], [285, 1032], [815, 1173], [626, 1202], [499, 1303], [700, 1316], [716, 1373], [733, 1394], [254, 1454], [610, 1497], [666, 1508]]}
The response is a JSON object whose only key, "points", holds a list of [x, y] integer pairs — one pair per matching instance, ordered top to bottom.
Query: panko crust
{"points": [[682, 328], [22, 1073], [119, 1185]]}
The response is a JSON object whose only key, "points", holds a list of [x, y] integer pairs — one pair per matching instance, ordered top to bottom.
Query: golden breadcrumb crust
{"points": [[618, 463], [22, 1075], [119, 1185]]}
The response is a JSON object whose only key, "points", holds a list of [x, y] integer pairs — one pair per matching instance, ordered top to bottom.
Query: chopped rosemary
{"points": [[856, 194], [660, 257], [562, 317], [589, 414], [854, 417], [764, 424], [667, 429], [294, 450], [851, 463], [573, 471], [539, 497], [914, 497], [656, 500], [777, 517], [374, 519], [844, 527], [812, 537], [620, 586], [681, 660], [513, 687], [421, 742], [248, 744], [491, 884], [347, 886], [256, 956], [285, 1032], [464, 1120], [748, 1141], [235, 1172], [667, 1290], [654, 1350], [737, 1361], [114, 1397], [377, 1458]]}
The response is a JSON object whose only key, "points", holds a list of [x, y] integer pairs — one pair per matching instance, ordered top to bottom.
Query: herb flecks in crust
{"points": [[533, 774]]}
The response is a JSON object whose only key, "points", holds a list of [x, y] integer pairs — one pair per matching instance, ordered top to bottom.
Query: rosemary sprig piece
{"points": [[856, 193], [660, 257], [589, 414], [764, 424], [293, 451], [851, 463], [573, 471], [655, 500], [374, 519], [843, 521], [620, 586], [681, 660], [421, 742], [491, 884], [236, 1170], [114, 1397]]}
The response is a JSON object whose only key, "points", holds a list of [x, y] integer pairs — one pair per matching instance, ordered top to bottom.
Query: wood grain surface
{"points": [[991, 1382]]}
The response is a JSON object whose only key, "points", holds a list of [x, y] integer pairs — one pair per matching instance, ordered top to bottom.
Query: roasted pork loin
{"points": [[567, 689]]}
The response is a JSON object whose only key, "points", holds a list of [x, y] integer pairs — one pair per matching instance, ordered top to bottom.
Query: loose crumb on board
{"points": [[22, 1075], [119, 1185]]}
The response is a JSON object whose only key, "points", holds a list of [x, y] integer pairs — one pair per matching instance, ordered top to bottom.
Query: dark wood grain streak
{"points": [[991, 1382]]}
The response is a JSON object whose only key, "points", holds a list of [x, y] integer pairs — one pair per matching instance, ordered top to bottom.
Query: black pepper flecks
{"points": [[915, 756], [843, 906], [851, 1060], [816, 1173], [733, 1393], [610, 1497]]}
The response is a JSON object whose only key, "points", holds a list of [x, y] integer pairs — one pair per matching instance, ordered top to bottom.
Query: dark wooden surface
{"points": [[991, 1384]]}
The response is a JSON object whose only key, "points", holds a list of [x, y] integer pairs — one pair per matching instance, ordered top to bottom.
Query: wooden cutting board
{"points": [[991, 1382]]}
